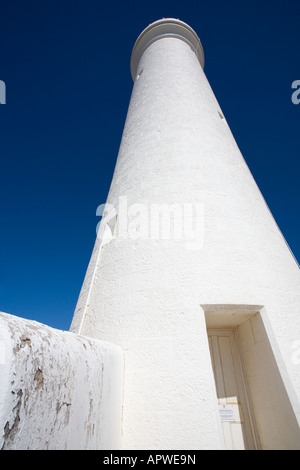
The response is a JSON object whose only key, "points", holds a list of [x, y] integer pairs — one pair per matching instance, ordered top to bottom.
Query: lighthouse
{"points": [[190, 275]]}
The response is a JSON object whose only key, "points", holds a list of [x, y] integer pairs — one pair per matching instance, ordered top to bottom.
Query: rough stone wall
{"points": [[58, 390]]}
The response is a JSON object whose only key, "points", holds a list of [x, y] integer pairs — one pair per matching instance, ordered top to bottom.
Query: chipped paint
{"points": [[58, 390]]}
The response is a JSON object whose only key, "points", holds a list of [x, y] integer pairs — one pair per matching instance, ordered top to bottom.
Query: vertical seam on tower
{"points": [[90, 290]]}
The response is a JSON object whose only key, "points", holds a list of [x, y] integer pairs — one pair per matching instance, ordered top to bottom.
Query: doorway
{"points": [[233, 398]]}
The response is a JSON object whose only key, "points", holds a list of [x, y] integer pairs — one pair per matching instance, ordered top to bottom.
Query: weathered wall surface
{"points": [[58, 390]]}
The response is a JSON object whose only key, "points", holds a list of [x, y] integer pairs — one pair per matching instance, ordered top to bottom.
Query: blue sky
{"points": [[66, 69]]}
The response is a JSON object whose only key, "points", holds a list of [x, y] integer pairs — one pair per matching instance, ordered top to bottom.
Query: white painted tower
{"points": [[206, 305]]}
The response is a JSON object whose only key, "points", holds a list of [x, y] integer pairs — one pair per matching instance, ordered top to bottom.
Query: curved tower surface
{"points": [[190, 274]]}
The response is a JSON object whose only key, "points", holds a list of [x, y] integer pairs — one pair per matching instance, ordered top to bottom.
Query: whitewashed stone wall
{"points": [[57, 390]]}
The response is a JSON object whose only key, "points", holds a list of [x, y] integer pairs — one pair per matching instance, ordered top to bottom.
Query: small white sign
{"points": [[226, 412]]}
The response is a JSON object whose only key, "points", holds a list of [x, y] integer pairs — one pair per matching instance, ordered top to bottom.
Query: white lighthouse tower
{"points": [[190, 274]]}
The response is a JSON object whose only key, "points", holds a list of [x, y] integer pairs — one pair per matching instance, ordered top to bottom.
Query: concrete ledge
{"points": [[58, 390]]}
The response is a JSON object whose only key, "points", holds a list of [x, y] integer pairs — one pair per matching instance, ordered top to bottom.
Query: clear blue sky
{"points": [[66, 68]]}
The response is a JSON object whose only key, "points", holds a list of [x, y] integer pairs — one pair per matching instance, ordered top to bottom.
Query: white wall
{"points": [[145, 294], [57, 390], [275, 418]]}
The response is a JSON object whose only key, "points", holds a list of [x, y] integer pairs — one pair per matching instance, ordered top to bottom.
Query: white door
{"points": [[233, 400]]}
